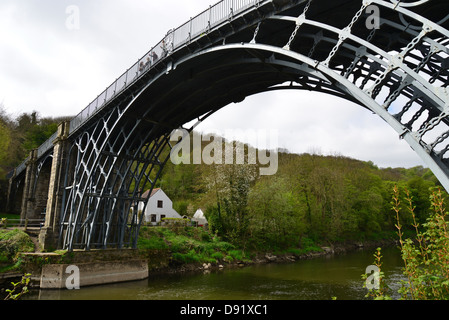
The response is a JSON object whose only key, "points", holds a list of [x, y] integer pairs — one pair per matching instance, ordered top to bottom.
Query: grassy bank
{"points": [[12, 243], [189, 245]]}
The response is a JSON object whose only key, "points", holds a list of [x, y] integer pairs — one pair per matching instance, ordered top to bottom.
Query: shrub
{"points": [[205, 237], [14, 241], [224, 246], [217, 255], [237, 255], [190, 257], [426, 260]]}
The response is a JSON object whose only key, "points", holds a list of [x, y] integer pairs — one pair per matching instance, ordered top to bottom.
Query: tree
{"points": [[18, 137], [5, 141], [231, 185], [228, 187], [276, 214]]}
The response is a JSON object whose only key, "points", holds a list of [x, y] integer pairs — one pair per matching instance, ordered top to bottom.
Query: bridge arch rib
{"points": [[397, 71]]}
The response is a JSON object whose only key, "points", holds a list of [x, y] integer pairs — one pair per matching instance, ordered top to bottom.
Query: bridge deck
{"points": [[197, 27]]}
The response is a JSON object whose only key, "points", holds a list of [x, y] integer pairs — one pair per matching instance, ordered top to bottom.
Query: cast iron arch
{"points": [[403, 81]]}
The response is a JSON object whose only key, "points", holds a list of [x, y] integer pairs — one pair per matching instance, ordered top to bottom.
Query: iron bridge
{"points": [[389, 56]]}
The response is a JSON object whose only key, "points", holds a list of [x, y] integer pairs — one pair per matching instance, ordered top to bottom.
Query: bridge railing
{"points": [[197, 26], [46, 145], [22, 166], [26, 223]]}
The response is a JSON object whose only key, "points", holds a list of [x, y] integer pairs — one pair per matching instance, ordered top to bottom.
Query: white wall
{"points": [[152, 208]]}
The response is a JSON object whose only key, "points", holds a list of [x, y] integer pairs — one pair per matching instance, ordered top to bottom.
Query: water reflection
{"points": [[317, 279]]}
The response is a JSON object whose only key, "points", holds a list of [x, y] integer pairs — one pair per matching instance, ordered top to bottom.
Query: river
{"points": [[323, 278]]}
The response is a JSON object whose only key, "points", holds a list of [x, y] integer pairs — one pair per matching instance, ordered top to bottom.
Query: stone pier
{"points": [[40, 189], [48, 237]]}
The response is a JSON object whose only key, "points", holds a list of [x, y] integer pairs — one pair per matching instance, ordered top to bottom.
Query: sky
{"points": [[56, 56]]}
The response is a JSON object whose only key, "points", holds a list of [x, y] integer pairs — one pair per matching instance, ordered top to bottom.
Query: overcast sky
{"points": [[53, 65]]}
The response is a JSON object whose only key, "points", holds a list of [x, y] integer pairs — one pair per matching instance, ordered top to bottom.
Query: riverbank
{"points": [[175, 250], [280, 258], [168, 261]]}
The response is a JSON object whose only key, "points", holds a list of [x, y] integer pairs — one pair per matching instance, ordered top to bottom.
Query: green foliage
{"points": [[38, 134], [21, 135], [17, 138], [5, 141], [325, 198], [277, 216], [13, 242], [152, 243], [188, 245], [217, 255], [237, 255], [189, 257], [426, 257], [427, 262], [19, 289], [379, 292]]}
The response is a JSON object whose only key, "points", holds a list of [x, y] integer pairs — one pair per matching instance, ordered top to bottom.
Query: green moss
{"points": [[13, 242]]}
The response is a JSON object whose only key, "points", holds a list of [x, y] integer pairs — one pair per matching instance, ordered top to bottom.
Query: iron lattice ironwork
{"points": [[396, 67]]}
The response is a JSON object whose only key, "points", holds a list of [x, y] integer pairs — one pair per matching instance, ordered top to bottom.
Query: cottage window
{"points": [[159, 203], [153, 218]]}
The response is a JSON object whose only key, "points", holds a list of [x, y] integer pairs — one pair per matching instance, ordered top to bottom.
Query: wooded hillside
{"points": [[312, 198]]}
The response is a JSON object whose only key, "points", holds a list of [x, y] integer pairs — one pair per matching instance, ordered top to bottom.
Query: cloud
{"points": [[45, 66], [308, 121]]}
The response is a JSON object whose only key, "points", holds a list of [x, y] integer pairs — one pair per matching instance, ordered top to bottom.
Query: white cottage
{"points": [[159, 206], [200, 218]]}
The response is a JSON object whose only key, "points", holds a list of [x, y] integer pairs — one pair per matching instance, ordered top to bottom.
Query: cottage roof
{"points": [[146, 193], [199, 214]]}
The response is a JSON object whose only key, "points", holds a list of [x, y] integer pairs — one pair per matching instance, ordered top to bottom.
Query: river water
{"points": [[323, 278]]}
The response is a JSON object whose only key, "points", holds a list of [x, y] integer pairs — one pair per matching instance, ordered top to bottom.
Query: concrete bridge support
{"points": [[48, 236]]}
